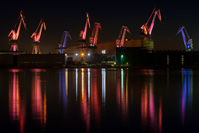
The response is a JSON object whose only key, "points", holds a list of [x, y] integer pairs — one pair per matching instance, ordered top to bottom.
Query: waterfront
{"points": [[99, 100]]}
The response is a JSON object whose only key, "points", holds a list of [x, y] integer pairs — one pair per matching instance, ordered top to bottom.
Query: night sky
{"points": [[70, 16]]}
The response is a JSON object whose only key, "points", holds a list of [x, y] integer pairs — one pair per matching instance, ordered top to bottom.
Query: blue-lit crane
{"points": [[187, 40], [62, 45]]}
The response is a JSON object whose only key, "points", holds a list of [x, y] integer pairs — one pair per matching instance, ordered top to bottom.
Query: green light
{"points": [[122, 56]]}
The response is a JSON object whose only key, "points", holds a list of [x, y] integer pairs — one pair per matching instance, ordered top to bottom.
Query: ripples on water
{"points": [[99, 100]]}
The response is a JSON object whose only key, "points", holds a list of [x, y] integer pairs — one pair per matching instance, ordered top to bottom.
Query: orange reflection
{"points": [[39, 100], [90, 103], [16, 104], [85, 107], [148, 111]]}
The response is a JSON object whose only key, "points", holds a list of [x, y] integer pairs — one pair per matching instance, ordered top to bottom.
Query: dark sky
{"points": [[70, 16]]}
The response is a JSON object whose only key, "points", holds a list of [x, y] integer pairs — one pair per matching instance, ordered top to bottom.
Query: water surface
{"points": [[99, 100]]}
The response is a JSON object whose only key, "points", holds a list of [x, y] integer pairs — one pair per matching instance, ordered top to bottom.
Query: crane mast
{"points": [[148, 31], [83, 32], [14, 34], [94, 35], [36, 37], [121, 37], [186, 39], [62, 45]]}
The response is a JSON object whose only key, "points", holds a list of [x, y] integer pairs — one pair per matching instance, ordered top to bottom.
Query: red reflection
{"points": [[122, 94], [38, 99], [95, 99], [16, 104], [92, 106], [149, 114], [160, 116]]}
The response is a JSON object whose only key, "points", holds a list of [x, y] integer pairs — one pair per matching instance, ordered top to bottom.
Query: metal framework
{"points": [[148, 31], [14, 33], [94, 35], [36, 37], [121, 37], [186, 39], [62, 45]]}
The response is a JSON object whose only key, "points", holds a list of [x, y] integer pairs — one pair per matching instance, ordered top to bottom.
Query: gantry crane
{"points": [[148, 31], [14, 34], [82, 34], [94, 34], [36, 37], [121, 37], [187, 40], [62, 45]]}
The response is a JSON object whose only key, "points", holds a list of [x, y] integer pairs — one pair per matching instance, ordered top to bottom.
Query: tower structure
{"points": [[14, 33], [36, 37]]}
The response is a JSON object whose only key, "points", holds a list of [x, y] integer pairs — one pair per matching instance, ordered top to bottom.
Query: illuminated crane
{"points": [[148, 31], [14, 34], [82, 34], [94, 34], [36, 37], [121, 37], [187, 40], [62, 45]]}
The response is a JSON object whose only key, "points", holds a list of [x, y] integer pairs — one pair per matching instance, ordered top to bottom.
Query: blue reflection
{"points": [[63, 86], [187, 92]]}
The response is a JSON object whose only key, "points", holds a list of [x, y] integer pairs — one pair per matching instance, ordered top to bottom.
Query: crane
{"points": [[148, 31], [14, 34], [82, 34], [94, 34], [36, 36], [121, 37], [187, 40], [62, 45]]}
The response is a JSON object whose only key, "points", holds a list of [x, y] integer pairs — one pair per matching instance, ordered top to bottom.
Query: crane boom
{"points": [[148, 31], [83, 33], [14, 35], [65, 35], [94, 35], [36, 36], [185, 36], [121, 37]]}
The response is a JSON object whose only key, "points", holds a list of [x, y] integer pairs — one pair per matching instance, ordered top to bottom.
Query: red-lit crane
{"points": [[147, 31], [83, 32], [14, 34], [94, 34], [36, 37], [121, 37]]}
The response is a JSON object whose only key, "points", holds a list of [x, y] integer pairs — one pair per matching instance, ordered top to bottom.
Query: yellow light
{"points": [[82, 54]]}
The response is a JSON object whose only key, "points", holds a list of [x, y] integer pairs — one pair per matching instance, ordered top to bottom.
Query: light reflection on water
{"points": [[102, 100]]}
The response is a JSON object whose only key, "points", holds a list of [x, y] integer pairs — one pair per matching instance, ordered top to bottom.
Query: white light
{"points": [[103, 51], [76, 54], [89, 54]]}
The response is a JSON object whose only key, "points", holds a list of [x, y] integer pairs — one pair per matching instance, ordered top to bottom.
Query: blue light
{"points": [[76, 54], [89, 54]]}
